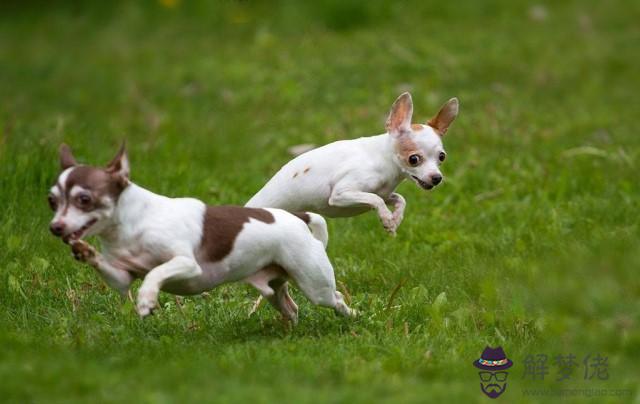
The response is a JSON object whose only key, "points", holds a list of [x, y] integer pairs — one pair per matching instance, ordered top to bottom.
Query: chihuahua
{"points": [[350, 177], [182, 246]]}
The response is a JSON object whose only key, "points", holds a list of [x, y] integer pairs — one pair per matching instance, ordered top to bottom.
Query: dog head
{"points": [[418, 148], [84, 198]]}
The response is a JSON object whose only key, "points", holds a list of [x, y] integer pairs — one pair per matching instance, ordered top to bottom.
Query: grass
{"points": [[532, 243]]}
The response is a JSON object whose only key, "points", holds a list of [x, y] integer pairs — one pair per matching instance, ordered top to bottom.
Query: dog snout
{"points": [[436, 179], [57, 228]]}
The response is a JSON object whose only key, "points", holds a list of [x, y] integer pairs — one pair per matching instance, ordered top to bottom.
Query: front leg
{"points": [[355, 198], [398, 203], [176, 269], [116, 278]]}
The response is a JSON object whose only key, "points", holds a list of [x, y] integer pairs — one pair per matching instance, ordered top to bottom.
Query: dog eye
{"points": [[442, 156], [414, 160], [83, 200], [53, 202]]}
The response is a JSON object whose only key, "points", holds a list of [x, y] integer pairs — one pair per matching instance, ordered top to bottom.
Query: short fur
{"points": [[350, 177], [182, 246]]}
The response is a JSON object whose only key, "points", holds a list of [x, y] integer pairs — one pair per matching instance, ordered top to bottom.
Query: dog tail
{"points": [[317, 225]]}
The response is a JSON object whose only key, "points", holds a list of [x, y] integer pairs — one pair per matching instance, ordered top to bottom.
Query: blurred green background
{"points": [[532, 242]]}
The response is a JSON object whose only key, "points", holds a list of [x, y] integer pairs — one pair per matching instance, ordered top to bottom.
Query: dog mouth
{"points": [[423, 184], [77, 235]]}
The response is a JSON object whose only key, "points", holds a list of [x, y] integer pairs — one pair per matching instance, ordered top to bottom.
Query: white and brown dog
{"points": [[350, 177], [182, 246]]}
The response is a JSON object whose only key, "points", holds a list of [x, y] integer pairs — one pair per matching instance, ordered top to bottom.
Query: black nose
{"points": [[436, 179], [57, 228]]}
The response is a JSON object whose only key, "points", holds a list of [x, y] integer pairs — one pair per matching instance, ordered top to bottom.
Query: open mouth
{"points": [[423, 184], [77, 235]]}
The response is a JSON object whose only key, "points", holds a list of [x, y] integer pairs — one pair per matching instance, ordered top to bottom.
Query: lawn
{"points": [[532, 242]]}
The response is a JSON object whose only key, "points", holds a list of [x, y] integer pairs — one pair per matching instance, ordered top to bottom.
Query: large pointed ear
{"points": [[445, 116], [399, 120], [66, 157], [120, 164]]}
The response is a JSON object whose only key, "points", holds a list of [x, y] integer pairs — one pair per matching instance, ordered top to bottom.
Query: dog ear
{"points": [[445, 116], [399, 120], [66, 157], [119, 166]]}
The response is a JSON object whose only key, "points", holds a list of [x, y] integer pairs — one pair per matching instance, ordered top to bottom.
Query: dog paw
{"points": [[398, 207], [398, 215], [389, 224], [84, 252], [147, 302], [346, 311]]}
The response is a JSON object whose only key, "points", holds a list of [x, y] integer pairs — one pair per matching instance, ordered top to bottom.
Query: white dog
{"points": [[349, 177], [182, 246]]}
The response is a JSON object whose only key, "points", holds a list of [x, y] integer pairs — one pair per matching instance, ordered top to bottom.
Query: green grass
{"points": [[532, 242]]}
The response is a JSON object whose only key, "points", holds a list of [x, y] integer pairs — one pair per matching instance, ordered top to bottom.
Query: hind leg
{"points": [[312, 272], [271, 282], [328, 297], [285, 304], [342, 308]]}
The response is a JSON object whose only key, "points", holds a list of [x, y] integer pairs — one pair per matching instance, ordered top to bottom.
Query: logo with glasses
{"points": [[493, 364]]}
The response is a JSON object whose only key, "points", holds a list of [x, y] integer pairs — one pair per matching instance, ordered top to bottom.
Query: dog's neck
{"points": [[386, 147], [131, 208]]}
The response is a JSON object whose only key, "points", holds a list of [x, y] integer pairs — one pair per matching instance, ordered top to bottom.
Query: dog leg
{"points": [[354, 198], [398, 203], [178, 268], [116, 278], [315, 279], [272, 284], [328, 297], [286, 305], [341, 307]]}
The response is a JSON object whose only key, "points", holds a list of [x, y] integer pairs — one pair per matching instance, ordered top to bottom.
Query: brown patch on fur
{"points": [[440, 123], [416, 127], [406, 146], [66, 157], [116, 163], [116, 168], [306, 170], [295, 175], [96, 180], [304, 216], [222, 224]]}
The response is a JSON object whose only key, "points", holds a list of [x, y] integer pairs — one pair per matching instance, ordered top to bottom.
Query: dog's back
{"points": [[306, 182]]}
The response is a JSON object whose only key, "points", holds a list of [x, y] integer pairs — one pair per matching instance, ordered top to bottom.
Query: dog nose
{"points": [[436, 179], [57, 228]]}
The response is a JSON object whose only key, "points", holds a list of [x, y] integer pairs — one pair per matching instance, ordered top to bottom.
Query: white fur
{"points": [[349, 177], [159, 239]]}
